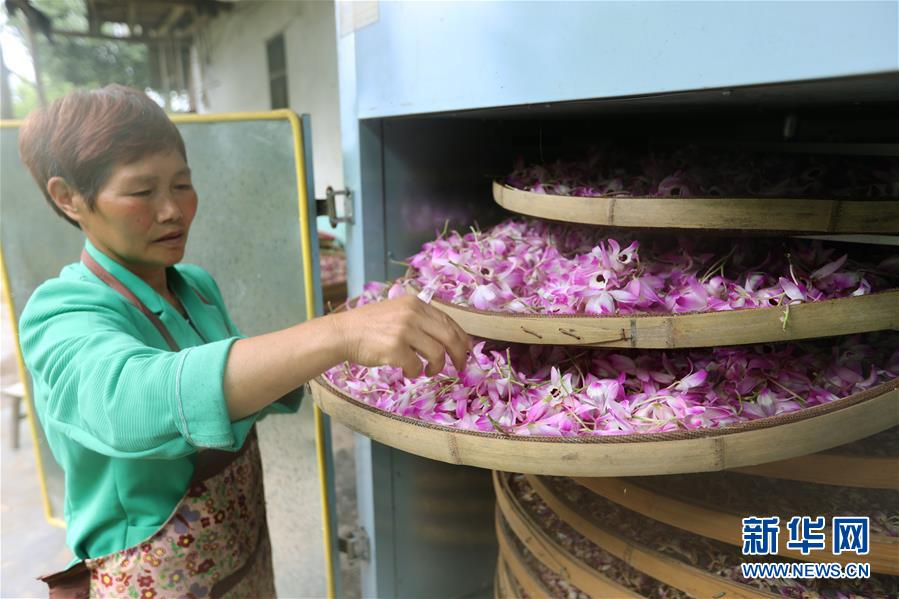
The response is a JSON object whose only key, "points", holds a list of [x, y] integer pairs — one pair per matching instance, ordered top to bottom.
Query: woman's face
{"points": [[143, 213]]}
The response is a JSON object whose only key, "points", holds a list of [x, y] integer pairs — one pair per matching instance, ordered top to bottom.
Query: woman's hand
{"points": [[395, 332], [264, 368]]}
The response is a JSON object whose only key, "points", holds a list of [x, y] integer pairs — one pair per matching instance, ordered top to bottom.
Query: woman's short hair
{"points": [[83, 135]]}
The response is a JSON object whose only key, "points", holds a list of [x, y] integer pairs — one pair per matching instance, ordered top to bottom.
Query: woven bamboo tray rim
{"points": [[794, 215], [335, 288], [335, 293], [810, 320], [889, 437], [764, 440], [865, 472], [725, 526], [550, 553], [515, 565], [672, 571], [501, 581], [502, 586]]}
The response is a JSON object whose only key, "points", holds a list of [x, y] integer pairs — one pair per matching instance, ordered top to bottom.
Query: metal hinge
{"points": [[328, 206], [354, 543]]}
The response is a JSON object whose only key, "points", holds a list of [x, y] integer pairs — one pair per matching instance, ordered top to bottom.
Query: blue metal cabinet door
{"points": [[424, 57]]}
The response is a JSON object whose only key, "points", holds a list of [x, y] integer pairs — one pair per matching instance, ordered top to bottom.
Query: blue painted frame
{"points": [[425, 57]]}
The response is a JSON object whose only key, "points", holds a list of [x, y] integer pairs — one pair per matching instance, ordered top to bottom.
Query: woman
{"points": [[146, 391]]}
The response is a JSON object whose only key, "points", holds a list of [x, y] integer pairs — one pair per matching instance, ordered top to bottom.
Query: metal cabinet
{"points": [[435, 98]]}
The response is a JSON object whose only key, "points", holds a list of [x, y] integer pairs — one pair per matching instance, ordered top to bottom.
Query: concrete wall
{"points": [[230, 63]]}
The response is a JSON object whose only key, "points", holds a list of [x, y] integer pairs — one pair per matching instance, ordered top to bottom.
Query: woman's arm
{"points": [[262, 369], [98, 383]]}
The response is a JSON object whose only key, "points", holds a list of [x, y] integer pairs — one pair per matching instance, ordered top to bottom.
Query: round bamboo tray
{"points": [[787, 215], [334, 295], [843, 316], [765, 440], [863, 464], [868, 472], [725, 526], [547, 550], [671, 571], [517, 572], [502, 585]]}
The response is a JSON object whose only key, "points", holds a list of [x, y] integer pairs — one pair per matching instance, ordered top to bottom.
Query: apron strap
{"points": [[104, 275], [212, 462], [73, 583], [227, 583]]}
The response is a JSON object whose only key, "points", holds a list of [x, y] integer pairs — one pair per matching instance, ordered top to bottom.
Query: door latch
{"points": [[328, 206], [355, 544]]}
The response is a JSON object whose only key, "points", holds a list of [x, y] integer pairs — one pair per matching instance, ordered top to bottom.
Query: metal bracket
{"points": [[790, 124], [328, 206], [355, 545]]}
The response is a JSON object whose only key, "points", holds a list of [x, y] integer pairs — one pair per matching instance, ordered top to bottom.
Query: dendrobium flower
{"points": [[695, 172], [332, 266], [534, 267], [692, 380], [568, 391]]}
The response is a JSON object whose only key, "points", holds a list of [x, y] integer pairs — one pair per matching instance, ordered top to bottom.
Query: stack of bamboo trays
{"points": [[747, 444], [680, 536], [627, 537], [532, 562]]}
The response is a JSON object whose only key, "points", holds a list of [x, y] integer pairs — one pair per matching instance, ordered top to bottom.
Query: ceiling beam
{"points": [[157, 3], [132, 16], [173, 17], [93, 18], [196, 25], [133, 39]]}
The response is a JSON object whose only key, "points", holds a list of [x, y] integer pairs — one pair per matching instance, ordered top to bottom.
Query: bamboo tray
{"points": [[747, 214], [334, 295], [844, 316], [765, 440], [833, 469], [726, 526], [547, 550], [662, 567], [517, 572], [503, 588]]}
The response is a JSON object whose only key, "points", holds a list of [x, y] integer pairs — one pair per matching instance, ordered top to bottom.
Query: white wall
{"points": [[230, 64], [234, 77]]}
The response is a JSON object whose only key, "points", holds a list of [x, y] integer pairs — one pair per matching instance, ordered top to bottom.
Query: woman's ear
{"points": [[66, 198]]}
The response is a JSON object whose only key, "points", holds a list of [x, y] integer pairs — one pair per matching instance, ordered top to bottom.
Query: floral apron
{"points": [[215, 543]]}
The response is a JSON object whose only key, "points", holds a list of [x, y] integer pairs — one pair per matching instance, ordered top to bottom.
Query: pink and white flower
{"points": [[533, 267], [562, 391]]}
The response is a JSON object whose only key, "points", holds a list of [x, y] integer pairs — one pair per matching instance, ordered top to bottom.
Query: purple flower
{"points": [[523, 266], [556, 391]]}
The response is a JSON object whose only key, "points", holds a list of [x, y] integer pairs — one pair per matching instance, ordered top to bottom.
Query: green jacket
{"points": [[123, 414]]}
